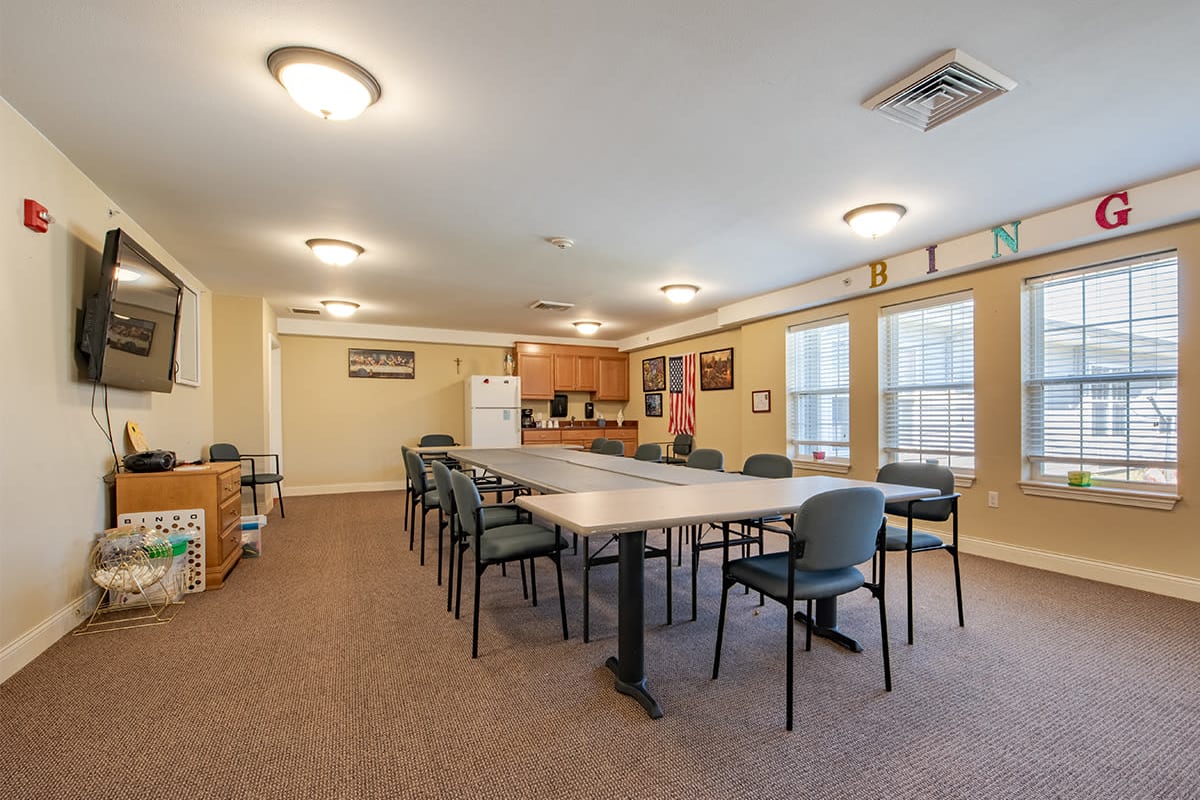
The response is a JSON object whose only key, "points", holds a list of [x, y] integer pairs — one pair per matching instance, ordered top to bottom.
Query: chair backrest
{"points": [[436, 439], [598, 444], [683, 444], [613, 447], [223, 451], [650, 451], [706, 458], [768, 465], [416, 471], [932, 476], [445, 487], [467, 502], [838, 528]]}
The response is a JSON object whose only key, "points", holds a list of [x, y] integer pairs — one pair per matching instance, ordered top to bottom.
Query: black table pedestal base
{"points": [[825, 625], [637, 691]]}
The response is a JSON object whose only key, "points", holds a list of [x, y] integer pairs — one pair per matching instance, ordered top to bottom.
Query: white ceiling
{"points": [[691, 141]]}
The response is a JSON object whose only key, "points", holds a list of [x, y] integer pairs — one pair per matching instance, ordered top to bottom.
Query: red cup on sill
{"points": [[818, 455]]}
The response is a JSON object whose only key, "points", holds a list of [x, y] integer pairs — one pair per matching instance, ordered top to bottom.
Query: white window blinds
{"points": [[927, 365], [1101, 371], [818, 408]]}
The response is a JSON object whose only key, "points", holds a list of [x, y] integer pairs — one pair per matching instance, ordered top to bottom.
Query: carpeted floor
{"points": [[329, 668]]}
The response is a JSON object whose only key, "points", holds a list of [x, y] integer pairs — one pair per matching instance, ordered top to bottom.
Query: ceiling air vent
{"points": [[940, 91], [551, 305], [312, 312]]}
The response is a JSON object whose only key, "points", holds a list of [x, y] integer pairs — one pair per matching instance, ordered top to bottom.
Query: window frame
{"points": [[800, 448]]}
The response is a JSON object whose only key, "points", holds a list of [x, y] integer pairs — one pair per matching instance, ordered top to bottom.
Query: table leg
{"points": [[825, 624], [629, 665]]}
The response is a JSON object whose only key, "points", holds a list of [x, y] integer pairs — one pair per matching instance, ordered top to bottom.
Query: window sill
{"points": [[836, 467], [963, 481], [1101, 494]]}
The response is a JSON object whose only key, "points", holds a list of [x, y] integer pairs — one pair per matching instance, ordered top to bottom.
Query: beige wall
{"points": [[720, 421], [343, 433], [55, 459], [1135, 539]]}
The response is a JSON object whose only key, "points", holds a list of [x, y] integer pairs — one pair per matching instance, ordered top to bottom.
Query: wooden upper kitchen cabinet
{"points": [[548, 368]]}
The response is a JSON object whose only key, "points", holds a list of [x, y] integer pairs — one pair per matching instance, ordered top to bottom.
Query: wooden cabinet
{"points": [[548, 368], [536, 370], [612, 377], [582, 435], [214, 487]]}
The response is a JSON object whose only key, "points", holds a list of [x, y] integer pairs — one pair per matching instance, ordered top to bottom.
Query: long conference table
{"points": [[599, 495]]}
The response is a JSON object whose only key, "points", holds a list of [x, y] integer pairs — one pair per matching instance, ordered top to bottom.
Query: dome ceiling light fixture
{"points": [[323, 83], [874, 220], [335, 252], [680, 292], [340, 308], [586, 327]]}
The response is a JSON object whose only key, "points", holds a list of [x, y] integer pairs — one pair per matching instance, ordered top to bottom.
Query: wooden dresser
{"points": [[214, 487]]}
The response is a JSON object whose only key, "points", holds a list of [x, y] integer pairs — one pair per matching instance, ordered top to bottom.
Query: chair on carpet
{"points": [[598, 444], [613, 447], [679, 449], [223, 451], [650, 451], [706, 458], [760, 465], [421, 494], [928, 509], [447, 517], [831, 534], [496, 543]]}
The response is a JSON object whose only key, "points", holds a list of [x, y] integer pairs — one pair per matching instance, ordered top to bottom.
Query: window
{"points": [[927, 364], [1101, 372], [818, 407]]}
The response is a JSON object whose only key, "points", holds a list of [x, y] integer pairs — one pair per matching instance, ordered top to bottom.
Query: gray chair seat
{"points": [[897, 539], [512, 542], [769, 574]]}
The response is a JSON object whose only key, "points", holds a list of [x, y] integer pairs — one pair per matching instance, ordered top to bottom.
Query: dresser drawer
{"points": [[231, 484], [231, 512], [231, 539]]}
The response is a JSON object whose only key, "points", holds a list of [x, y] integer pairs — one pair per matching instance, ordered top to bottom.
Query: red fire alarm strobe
{"points": [[37, 218]]}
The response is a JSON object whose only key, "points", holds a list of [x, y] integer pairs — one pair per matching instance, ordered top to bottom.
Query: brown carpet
{"points": [[329, 668]]}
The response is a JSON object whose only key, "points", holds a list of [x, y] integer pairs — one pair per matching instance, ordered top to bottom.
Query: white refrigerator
{"points": [[493, 410]]}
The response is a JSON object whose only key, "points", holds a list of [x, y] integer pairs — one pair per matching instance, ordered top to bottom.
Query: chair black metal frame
{"points": [[597, 445], [613, 447], [224, 451], [650, 451], [420, 494], [928, 509], [832, 533], [507, 543]]}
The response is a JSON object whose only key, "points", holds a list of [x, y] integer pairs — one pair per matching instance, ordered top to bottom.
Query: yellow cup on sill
{"points": [[1079, 477]]}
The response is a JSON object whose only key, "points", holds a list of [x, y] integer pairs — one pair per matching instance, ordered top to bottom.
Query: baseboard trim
{"points": [[346, 488], [1163, 583], [38, 639]]}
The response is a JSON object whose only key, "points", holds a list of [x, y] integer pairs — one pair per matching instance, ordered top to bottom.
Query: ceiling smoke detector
{"points": [[940, 91], [561, 242]]}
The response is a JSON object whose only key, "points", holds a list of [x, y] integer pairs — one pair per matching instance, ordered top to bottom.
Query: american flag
{"points": [[682, 374]]}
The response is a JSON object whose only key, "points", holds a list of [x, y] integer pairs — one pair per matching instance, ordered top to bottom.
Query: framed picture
{"points": [[130, 334], [382, 364], [716, 369], [654, 375], [760, 401], [654, 405]]}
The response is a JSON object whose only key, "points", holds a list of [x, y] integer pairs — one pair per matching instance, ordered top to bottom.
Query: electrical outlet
{"points": [[993, 499]]}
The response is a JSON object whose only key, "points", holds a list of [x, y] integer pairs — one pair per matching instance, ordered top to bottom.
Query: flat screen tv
{"points": [[131, 325]]}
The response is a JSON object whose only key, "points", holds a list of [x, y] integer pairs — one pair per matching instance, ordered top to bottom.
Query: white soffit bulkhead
{"points": [[941, 90]]}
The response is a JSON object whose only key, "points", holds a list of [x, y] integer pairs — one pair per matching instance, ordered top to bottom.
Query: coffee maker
{"points": [[527, 418]]}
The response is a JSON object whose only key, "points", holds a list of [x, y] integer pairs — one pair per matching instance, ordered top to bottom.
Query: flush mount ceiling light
{"points": [[324, 83], [874, 220], [561, 242], [334, 252], [680, 292], [340, 308], [586, 327]]}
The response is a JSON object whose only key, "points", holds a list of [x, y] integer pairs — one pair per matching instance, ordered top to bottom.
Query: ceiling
{"points": [[701, 142]]}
